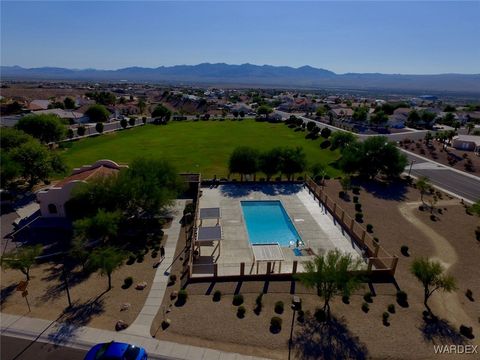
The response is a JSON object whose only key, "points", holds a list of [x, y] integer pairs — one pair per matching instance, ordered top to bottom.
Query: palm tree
{"points": [[423, 185], [107, 260], [331, 274], [431, 274]]}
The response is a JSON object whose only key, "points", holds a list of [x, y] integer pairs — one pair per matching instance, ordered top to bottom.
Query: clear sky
{"points": [[383, 36]]}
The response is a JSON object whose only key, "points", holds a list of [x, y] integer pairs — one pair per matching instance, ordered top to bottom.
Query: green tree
{"points": [[103, 97], [69, 103], [142, 105], [264, 110], [320, 111], [97, 113], [162, 113], [360, 114], [379, 118], [413, 118], [123, 123], [470, 126], [45, 127], [99, 127], [81, 130], [326, 132], [11, 138], [341, 139], [34, 161], [244, 161], [293, 161], [270, 162], [9, 170], [318, 172], [423, 185], [475, 208], [103, 226], [22, 258], [107, 260], [331, 274], [431, 274]]}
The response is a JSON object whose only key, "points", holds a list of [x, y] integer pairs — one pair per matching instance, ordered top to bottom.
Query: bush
{"points": [[144, 120], [131, 121], [123, 123], [99, 127], [81, 130], [326, 132], [70, 133], [325, 144], [356, 190], [341, 194], [355, 199], [358, 207], [359, 217], [370, 228], [404, 250], [154, 254], [140, 258], [131, 259], [172, 279], [127, 282], [469, 294], [217, 295], [182, 297], [368, 297], [402, 298], [346, 299], [237, 300], [279, 307], [365, 307], [391, 308], [241, 311], [300, 315], [320, 315], [385, 317], [275, 324], [466, 331]]}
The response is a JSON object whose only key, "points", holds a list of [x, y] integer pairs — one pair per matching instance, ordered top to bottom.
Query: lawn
{"points": [[198, 146]]}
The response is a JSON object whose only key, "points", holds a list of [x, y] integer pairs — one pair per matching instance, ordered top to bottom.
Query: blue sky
{"points": [[383, 36]]}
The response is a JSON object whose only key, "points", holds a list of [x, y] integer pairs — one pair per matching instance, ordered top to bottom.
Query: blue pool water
{"points": [[268, 223]]}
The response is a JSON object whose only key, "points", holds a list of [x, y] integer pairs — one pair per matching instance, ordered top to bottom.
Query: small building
{"points": [[38, 105], [72, 117], [467, 143], [52, 200]]}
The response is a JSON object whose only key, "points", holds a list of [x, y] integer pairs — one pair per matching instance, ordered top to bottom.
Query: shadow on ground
{"points": [[245, 189], [394, 190], [440, 331], [326, 340]]}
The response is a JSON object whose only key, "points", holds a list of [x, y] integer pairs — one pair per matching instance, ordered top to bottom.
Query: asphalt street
{"points": [[20, 349]]}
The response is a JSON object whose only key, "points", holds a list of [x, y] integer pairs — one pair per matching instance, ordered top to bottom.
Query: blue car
{"points": [[116, 351]]}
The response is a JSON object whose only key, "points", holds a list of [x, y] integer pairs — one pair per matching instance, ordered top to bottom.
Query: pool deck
{"points": [[316, 228]]}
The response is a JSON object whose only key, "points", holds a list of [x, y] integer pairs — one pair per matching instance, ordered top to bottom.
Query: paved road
{"points": [[463, 185], [20, 349]]}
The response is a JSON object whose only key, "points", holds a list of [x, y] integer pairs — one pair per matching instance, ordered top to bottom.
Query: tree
{"points": [[103, 98], [69, 103], [142, 105], [264, 110], [320, 111], [162, 112], [97, 113], [241, 113], [360, 114], [379, 118], [413, 118], [131, 121], [123, 123], [310, 126], [470, 126], [45, 127], [99, 127], [81, 130], [325, 132], [70, 133], [11, 138], [341, 139], [293, 160], [34, 161], [243, 161], [270, 162], [9, 170], [318, 171], [346, 183], [423, 185], [475, 208], [103, 225], [22, 259], [107, 260], [331, 274], [431, 274]]}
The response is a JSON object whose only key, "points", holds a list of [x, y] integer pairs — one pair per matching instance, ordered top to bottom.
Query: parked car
{"points": [[116, 351]]}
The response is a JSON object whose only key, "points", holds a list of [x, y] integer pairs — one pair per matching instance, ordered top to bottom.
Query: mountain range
{"points": [[255, 75]]}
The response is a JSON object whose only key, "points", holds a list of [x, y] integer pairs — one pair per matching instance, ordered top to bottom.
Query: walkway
{"points": [[142, 324]]}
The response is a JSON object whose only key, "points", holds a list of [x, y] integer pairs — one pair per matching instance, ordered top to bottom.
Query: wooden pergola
{"points": [[207, 235], [268, 253]]}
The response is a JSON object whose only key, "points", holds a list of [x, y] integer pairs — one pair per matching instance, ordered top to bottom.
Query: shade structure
{"points": [[210, 213], [209, 233], [267, 252]]}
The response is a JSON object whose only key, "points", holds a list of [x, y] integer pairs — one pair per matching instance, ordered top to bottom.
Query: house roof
{"points": [[38, 104], [63, 114], [468, 138], [89, 174]]}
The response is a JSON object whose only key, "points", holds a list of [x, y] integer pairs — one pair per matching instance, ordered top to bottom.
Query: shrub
{"points": [[144, 120], [131, 121], [123, 123], [99, 127], [81, 130], [326, 132], [70, 133], [325, 144], [356, 190], [341, 194], [355, 199], [358, 207], [359, 217], [433, 217], [370, 228], [477, 233], [404, 250], [154, 254], [140, 258], [131, 259], [172, 279], [127, 282], [469, 294], [217, 295], [182, 297], [368, 297], [402, 298], [346, 299], [238, 300], [279, 307], [365, 307], [391, 308], [241, 311], [300, 315], [320, 315], [385, 317], [275, 324], [466, 331]]}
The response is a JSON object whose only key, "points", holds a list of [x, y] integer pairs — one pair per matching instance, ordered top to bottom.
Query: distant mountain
{"points": [[255, 75]]}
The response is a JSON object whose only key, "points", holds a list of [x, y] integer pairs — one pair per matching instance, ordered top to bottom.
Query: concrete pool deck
{"points": [[316, 227]]}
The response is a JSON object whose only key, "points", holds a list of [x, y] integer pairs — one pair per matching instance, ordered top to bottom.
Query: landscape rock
{"points": [[140, 286], [125, 306], [120, 325]]}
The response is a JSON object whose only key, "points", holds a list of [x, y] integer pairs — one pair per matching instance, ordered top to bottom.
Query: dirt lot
{"points": [[393, 212]]}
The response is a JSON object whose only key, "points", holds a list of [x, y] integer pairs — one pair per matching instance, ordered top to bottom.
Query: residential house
{"points": [[38, 105], [71, 116], [399, 118], [467, 143]]}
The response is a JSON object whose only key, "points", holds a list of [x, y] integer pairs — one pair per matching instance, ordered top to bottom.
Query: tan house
{"points": [[467, 143], [52, 200]]}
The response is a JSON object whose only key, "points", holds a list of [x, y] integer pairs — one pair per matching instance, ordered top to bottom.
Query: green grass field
{"points": [[199, 146]]}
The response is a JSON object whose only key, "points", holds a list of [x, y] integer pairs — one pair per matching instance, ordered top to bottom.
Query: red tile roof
{"points": [[88, 175]]}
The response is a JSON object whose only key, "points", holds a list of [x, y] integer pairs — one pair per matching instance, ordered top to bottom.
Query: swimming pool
{"points": [[267, 222]]}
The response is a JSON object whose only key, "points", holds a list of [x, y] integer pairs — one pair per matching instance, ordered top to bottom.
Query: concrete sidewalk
{"points": [[85, 337]]}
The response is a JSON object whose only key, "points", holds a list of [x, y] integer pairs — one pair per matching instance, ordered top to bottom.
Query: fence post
{"points": [[334, 208], [343, 216], [351, 225], [363, 237], [377, 247], [370, 263], [394, 264], [242, 268], [294, 268], [215, 270]]}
